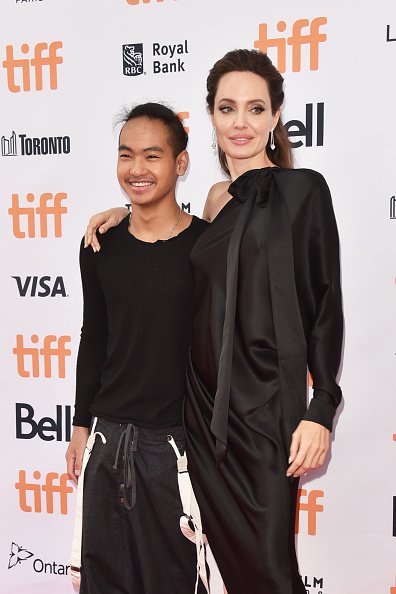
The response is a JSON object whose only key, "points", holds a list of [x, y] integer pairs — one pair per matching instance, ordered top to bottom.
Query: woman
{"points": [[267, 306]]}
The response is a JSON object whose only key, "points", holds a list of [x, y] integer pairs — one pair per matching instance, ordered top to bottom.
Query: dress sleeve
{"points": [[322, 303], [92, 349]]}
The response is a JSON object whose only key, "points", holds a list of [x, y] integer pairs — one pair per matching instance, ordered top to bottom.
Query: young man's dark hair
{"points": [[178, 137]]}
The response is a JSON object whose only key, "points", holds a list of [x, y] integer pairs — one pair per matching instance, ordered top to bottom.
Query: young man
{"points": [[130, 372]]}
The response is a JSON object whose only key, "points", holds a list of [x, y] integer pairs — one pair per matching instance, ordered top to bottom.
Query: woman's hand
{"points": [[102, 222], [309, 446], [75, 452]]}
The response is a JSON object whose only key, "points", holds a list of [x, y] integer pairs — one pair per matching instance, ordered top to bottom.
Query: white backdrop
{"points": [[61, 75]]}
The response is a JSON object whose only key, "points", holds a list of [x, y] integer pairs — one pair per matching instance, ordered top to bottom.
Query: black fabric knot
{"points": [[253, 185], [259, 187]]}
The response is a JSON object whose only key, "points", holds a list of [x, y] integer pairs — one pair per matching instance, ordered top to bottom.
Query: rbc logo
{"points": [[296, 40], [132, 55], [45, 57]]}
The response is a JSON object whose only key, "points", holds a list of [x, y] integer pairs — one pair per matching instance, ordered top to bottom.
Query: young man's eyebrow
{"points": [[157, 149]]}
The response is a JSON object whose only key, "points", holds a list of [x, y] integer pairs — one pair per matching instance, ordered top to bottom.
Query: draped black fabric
{"points": [[267, 305]]}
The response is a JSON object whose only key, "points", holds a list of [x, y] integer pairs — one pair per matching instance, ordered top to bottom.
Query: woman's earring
{"points": [[214, 141], [272, 141]]}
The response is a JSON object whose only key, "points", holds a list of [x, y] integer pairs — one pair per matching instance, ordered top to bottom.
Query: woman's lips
{"points": [[240, 139]]}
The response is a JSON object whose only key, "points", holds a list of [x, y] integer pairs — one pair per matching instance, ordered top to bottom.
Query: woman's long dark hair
{"points": [[244, 60]]}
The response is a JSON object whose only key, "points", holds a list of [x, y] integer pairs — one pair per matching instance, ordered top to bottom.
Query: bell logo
{"points": [[389, 38], [296, 40], [44, 57], [313, 119], [392, 207], [39, 215], [53, 348], [47, 428], [49, 488], [311, 507]]}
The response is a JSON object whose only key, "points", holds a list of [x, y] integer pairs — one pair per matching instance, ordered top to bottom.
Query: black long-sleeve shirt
{"points": [[136, 328]]}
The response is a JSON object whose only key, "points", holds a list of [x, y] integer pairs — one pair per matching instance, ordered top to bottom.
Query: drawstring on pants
{"points": [[129, 438]]}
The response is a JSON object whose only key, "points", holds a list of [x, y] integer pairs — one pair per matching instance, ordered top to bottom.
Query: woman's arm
{"points": [[217, 198], [102, 222], [320, 296]]}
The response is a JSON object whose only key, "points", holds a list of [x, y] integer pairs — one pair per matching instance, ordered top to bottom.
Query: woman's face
{"points": [[243, 118]]}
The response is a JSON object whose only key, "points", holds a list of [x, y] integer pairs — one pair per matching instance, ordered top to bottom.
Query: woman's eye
{"points": [[225, 108], [257, 109]]}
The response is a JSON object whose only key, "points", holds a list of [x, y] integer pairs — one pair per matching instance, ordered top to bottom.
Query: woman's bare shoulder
{"points": [[217, 197]]}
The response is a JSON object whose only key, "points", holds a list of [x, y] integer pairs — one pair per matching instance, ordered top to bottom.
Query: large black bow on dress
{"points": [[259, 188]]}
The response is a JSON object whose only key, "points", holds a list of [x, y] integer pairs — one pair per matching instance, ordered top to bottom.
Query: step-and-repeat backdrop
{"points": [[66, 70]]}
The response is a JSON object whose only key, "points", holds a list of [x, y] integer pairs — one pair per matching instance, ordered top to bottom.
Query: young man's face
{"points": [[147, 169]]}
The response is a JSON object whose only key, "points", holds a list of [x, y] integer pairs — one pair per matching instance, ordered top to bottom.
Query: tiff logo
{"points": [[134, 2], [296, 40], [45, 57], [184, 115], [9, 146], [392, 207], [40, 214], [53, 348], [48, 488], [311, 507]]}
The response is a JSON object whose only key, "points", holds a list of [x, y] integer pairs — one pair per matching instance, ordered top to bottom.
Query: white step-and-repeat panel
{"points": [[66, 70]]}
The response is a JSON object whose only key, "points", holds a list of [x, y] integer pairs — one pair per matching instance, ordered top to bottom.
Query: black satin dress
{"points": [[267, 304]]}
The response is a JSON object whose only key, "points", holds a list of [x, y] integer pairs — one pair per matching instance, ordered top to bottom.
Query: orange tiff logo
{"points": [[133, 2], [296, 40], [20, 70], [184, 115], [50, 205], [33, 359], [43, 493], [310, 506], [393, 589]]}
